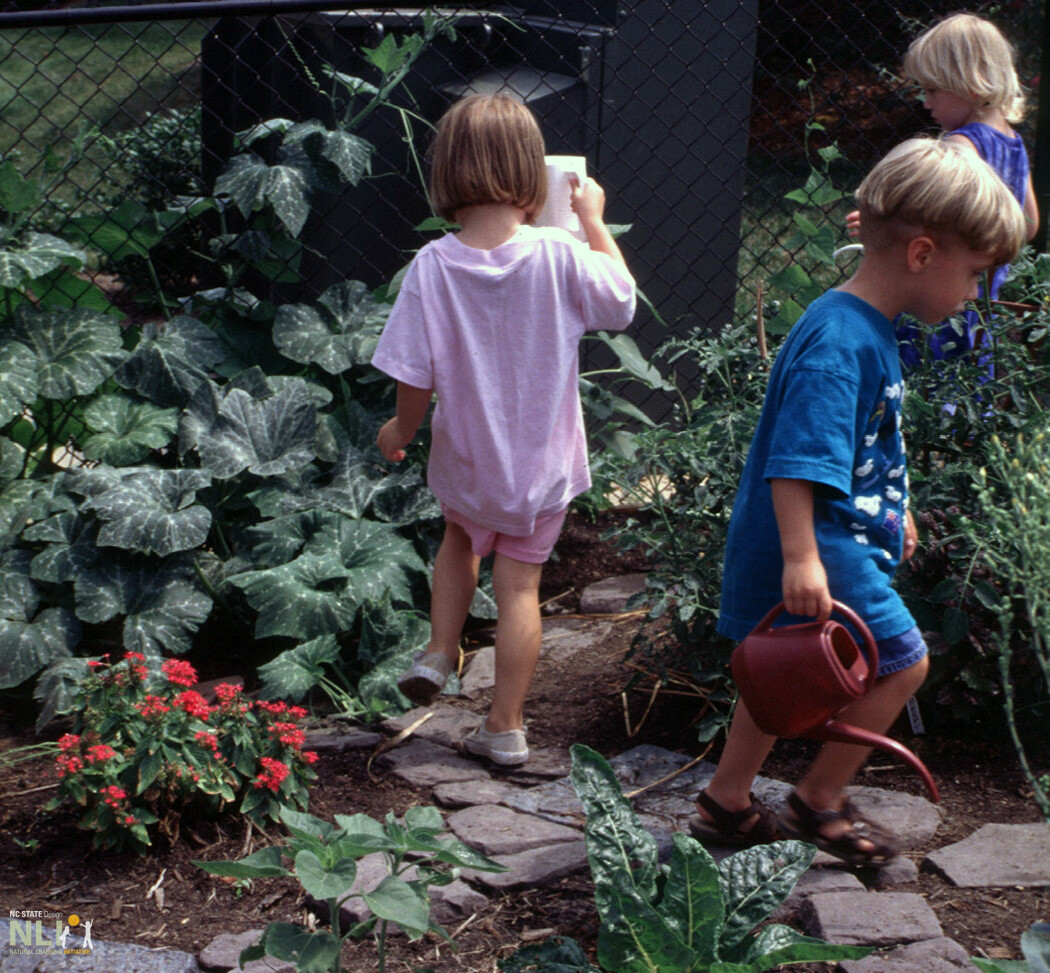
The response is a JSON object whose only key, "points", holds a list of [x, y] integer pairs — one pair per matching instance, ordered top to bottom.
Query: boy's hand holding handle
{"points": [[804, 582]]}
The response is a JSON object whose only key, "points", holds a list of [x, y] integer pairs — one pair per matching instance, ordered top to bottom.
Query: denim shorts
{"points": [[901, 651]]}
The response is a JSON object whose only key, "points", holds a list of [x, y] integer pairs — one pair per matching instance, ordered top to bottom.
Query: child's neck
{"points": [[992, 117], [488, 225]]}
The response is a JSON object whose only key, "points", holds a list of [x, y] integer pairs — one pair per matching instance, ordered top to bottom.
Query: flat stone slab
{"points": [[610, 596], [564, 638], [480, 674], [447, 725], [336, 740], [426, 764], [466, 793], [555, 801], [912, 818], [495, 830], [997, 855], [532, 869], [817, 881], [869, 918], [224, 953], [940, 955]]}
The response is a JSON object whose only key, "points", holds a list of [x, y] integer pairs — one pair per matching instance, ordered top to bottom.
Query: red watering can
{"points": [[796, 679]]}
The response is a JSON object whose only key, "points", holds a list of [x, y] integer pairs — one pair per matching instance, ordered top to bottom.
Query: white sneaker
{"points": [[427, 676], [508, 749]]}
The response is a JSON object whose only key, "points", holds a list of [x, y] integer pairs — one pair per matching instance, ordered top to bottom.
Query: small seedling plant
{"points": [[323, 857], [690, 915]]}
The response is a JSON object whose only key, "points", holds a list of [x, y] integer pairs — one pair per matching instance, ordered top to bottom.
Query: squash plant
{"points": [[220, 460]]}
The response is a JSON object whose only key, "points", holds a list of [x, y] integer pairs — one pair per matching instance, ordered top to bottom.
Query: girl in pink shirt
{"points": [[489, 320]]}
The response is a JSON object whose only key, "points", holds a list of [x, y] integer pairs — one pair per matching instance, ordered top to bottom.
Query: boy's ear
{"points": [[920, 252]]}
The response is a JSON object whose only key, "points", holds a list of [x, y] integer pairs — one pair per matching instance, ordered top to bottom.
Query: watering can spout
{"points": [[795, 679], [841, 733]]}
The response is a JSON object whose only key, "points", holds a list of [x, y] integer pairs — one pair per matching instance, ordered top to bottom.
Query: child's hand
{"points": [[588, 201], [853, 224], [392, 441], [911, 536], [805, 589]]}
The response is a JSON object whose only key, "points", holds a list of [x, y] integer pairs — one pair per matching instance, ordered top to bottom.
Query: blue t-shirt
{"points": [[832, 416]]}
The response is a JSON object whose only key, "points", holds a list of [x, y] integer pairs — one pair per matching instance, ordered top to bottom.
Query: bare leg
{"points": [[452, 590], [518, 635], [742, 757]]}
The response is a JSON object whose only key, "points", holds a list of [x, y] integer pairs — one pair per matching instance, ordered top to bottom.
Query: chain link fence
{"points": [[697, 117]]}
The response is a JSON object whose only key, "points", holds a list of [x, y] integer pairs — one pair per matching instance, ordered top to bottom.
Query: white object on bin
{"points": [[557, 211]]}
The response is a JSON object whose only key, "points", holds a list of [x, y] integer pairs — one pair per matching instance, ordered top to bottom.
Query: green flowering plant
{"points": [[147, 748]]}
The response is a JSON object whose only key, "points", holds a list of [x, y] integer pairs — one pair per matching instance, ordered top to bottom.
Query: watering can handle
{"points": [[871, 650]]}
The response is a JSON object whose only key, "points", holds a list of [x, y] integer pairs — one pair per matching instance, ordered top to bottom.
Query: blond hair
{"points": [[968, 57], [488, 149], [944, 190]]}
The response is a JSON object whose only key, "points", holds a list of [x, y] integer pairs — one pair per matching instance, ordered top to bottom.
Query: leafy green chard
{"points": [[323, 857], [691, 915], [1035, 945]]}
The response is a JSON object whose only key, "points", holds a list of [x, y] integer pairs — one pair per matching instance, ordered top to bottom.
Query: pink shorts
{"points": [[534, 549]]}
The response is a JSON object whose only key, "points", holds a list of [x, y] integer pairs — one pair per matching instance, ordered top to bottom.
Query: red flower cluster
{"points": [[136, 666], [179, 672], [193, 703], [153, 706], [288, 733], [207, 740], [98, 752], [272, 774], [113, 795]]}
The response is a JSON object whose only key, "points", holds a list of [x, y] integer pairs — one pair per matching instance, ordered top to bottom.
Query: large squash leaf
{"points": [[286, 186], [130, 230], [36, 256], [340, 331], [76, 350], [170, 360], [18, 378], [233, 430], [124, 431], [356, 482], [150, 510], [71, 546], [322, 590], [160, 600], [29, 640], [293, 673], [57, 688]]}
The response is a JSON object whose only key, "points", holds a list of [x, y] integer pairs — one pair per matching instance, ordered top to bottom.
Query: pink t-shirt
{"points": [[496, 333]]}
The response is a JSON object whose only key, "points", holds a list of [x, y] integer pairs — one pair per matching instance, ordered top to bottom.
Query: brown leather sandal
{"points": [[806, 824], [724, 828]]}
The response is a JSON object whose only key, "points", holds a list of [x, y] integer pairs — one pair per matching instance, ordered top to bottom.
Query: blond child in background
{"points": [[965, 67], [489, 319], [822, 513]]}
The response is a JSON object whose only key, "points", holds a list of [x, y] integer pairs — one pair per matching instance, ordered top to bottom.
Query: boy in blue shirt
{"points": [[822, 508]]}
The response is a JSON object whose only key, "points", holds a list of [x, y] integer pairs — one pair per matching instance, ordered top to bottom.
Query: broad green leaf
{"points": [[354, 86], [272, 126], [349, 153], [251, 183], [17, 194], [130, 230], [37, 256], [64, 289], [340, 331], [76, 350], [170, 361], [632, 361], [18, 378], [124, 431], [234, 431], [356, 482], [24, 501], [154, 511], [279, 539], [70, 546], [322, 590], [161, 601], [386, 632], [29, 640], [293, 673], [57, 688], [302, 824], [359, 825], [618, 847], [452, 851], [265, 863], [755, 881], [321, 882], [395, 900], [691, 903], [633, 936], [777, 945], [1035, 945], [312, 952], [557, 955], [1001, 966]]}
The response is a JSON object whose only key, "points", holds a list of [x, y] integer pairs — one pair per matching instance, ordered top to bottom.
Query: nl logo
{"points": [[30, 933]]}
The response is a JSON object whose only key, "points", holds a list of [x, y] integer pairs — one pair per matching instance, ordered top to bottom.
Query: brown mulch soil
{"points": [[46, 863]]}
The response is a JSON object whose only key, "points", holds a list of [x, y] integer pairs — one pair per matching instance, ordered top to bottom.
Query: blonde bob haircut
{"points": [[968, 57], [488, 149], [944, 190]]}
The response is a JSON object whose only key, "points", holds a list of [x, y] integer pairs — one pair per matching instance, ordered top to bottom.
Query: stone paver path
{"points": [[531, 820]]}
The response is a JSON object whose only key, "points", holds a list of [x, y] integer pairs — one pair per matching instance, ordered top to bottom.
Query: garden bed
{"points": [[46, 863]]}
